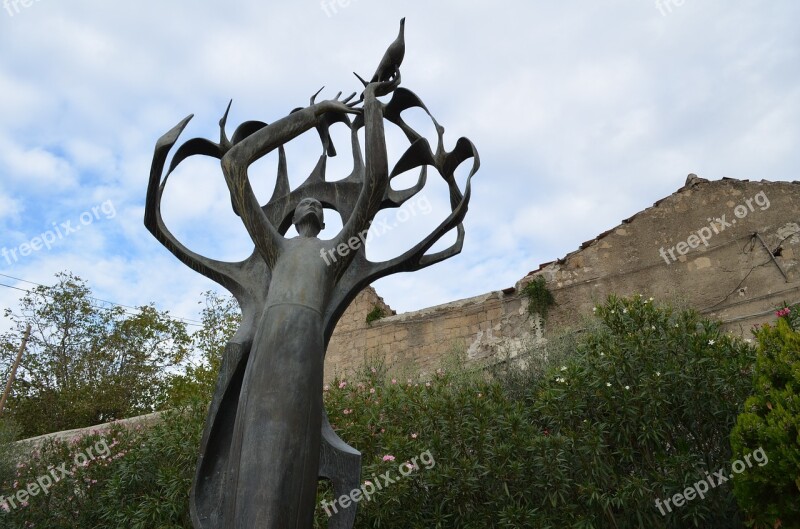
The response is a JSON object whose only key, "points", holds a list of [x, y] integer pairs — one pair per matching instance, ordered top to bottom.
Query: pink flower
{"points": [[783, 312], [394, 381], [342, 384], [372, 390], [348, 411], [413, 436], [388, 457]]}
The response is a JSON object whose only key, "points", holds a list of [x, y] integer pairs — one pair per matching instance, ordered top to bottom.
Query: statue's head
{"points": [[308, 217]]}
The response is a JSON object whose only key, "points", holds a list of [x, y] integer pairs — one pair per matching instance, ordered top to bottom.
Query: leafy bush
{"points": [[540, 299], [375, 314], [220, 320], [638, 411], [642, 411], [123, 478], [770, 494]]}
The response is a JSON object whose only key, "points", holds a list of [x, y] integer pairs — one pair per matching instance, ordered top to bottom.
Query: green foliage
{"points": [[540, 299], [375, 314], [221, 318], [86, 365], [639, 410], [642, 411], [771, 421], [10, 452], [124, 478]]}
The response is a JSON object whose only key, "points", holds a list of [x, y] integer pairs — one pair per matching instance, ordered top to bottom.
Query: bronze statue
{"points": [[267, 439]]}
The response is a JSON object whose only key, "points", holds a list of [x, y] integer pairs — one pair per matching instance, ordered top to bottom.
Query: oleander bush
{"points": [[638, 409], [122, 478], [770, 493]]}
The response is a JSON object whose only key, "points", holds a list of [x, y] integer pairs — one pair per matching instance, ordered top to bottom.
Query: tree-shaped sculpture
{"points": [[267, 439]]}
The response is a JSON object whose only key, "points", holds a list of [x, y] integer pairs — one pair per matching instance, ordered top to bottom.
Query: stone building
{"points": [[727, 248]]}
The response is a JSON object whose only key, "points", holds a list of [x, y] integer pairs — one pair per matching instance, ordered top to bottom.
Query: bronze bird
{"points": [[392, 59]]}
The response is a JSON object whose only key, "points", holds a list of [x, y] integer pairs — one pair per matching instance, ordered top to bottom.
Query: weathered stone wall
{"points": [[744, 269], [736, 278], [482, 326], [142, 421]]}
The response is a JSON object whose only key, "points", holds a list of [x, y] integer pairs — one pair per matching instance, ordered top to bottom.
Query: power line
{"points": [[126, 308]]}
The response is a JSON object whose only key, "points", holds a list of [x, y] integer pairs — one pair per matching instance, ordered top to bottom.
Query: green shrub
{"points": [[540, 299], [375, 314], [644, 409], [638, 410], [10, 451], [132, 479], [770, 494]]}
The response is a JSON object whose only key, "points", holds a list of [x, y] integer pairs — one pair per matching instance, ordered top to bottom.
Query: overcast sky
{"points": [[584, 113]]}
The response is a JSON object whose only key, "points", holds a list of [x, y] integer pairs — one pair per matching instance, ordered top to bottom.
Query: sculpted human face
{"points": [[308, 217]]}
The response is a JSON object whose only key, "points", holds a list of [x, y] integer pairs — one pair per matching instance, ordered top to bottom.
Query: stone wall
{"points": [[747, 265], [740, 277], [483, 327], [142, 421]]}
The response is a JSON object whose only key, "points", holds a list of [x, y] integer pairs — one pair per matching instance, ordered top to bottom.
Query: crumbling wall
{"points": [[728, 249]]}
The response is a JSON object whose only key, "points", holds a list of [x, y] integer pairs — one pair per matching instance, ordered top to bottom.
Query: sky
{"points": [[583, 113]]}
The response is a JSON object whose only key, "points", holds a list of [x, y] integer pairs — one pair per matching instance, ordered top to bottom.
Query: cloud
{"points": [[582, 116]]}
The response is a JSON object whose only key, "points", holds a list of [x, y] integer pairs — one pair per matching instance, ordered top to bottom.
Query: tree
{"points": [[221, 318], [86, 364], [770, 422]]}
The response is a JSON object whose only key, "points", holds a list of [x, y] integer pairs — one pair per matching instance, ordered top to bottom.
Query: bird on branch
{"points": [[390, 63]]}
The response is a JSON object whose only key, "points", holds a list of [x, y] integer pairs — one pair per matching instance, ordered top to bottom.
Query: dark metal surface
{"points": [[267, 438]]}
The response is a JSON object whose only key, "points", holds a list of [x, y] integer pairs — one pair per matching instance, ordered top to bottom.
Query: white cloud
{"points": [[582, 116], [35, 168]]}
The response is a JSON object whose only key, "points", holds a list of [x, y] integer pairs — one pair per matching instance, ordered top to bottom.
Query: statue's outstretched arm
{"points": [[237, 160], [376, 178], [221, 272]]}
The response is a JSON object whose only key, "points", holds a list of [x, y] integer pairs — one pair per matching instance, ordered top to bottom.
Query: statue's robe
{"points": [[267, 439]]}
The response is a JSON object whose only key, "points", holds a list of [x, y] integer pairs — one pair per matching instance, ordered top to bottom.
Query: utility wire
{"points": [[126, 308]]}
